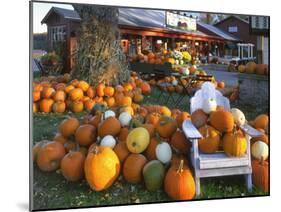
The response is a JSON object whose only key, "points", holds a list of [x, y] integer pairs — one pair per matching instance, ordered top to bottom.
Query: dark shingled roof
{"points": [[66, 13]]}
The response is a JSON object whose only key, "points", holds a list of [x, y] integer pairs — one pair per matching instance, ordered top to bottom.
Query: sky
{"points": [[39, 12]]}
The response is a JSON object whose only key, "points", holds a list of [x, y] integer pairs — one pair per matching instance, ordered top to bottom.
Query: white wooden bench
{"points": [[219, 164]]}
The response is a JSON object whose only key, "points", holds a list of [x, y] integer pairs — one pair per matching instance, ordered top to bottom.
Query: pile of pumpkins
{"points": [[152, 58], [253, 68], [58, 94], [148, 147]]}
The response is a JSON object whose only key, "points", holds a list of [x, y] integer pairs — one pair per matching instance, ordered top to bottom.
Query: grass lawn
{"points": [[51, 190]]}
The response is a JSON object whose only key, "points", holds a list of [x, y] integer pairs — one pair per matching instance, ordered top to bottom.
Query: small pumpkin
{"points": [[83, 85], [145, 88], [100, 89], [109, 91], [47, 92], [91, 92], [76, 94], [36, 95], [59, 95], [89, 104], [46, 105], [77, 106], [59, 107], [165, 111], [109, 113], [238, 115], [181, 117], [153, 118], [199, 118], [125, 119], [222, 120], [261, 121], [110, 126], [166, 126], [68, 127], [124, 132], [85, 135], [59, 138], [138, 140], [108, 141], [210, 141], [180, 143], [235, 144], [36, 148], [260, 150], [121, 151], [150, 152], [163, 152], [50, 156], [72, 166], [102, 167], [132, 168], [260, 174], [153, 175], [179, 183]]}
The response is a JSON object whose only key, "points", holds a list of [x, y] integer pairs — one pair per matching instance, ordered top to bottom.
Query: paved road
{"points": [[229, 78]]}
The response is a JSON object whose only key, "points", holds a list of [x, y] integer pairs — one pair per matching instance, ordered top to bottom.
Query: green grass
{"points": [[51, 190]]}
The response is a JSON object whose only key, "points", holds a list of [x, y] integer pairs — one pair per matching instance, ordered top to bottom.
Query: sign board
{"points": [[182, 22]]}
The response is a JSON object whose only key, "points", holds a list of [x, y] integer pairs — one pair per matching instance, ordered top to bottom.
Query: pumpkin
{"points": [[171, 60], [250, 67], [241, 68], [261, 69], [74, 82], [221, 84], [83, 85], [145, 88], [68, 89], [100, 89], [119, 89], [109, 91], [47, 92], [91, 92], [76, 94], [36, 96], [59, 96], [85, 98], [138, 98], [110, 101], [125, 101], [89, 104], [46, 105], [209, 105], [77, 106], [35, 107], [59, 107], [127, 109], [165, 111], [109, 113], [238, 115], [181, 117], [153, 118], [199, 118], [125, 119], [95, 120], [222, 120], [261, 121], [110, 126], [166, 126], [68, 127], [150, 128], [123, 134], [85, 135], [59, 138], [263, 138], [138, 140], [108, 141], [210, 141], [180, 143], [234, 144], [70, 145], [36, 148], [259, 150], [121, 151], [150, 152], [163, 152], [50, 156], [72, 166], [102, 167], [132, 168], [260, 174], [153, 175], [179, 183]]}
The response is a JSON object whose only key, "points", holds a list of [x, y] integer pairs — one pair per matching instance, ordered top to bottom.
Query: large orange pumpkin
{"points": [[100, 90], [76, 94], [59, 95], [46, 105], [59, 107], [199, 118], [222, 120], [110, 126], [166, 126], [68, 127], [85, 135], [210, 141], [180, 143], [235, 144], [121, 151], [150, 152], [50, 156], [72, 166], [102, 167], [132, 168], [179, 183]]}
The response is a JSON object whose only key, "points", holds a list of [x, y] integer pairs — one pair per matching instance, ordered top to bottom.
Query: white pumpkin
{"points": [[177, 61], [181, 62], [185, 71], [174, 82], [209, 105], [109, 113], [238, 115], [125, 118], [109, 141], [259, 149], [164, 152]]}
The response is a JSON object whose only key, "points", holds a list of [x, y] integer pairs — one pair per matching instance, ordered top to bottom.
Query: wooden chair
{"points": [[218, 164]]}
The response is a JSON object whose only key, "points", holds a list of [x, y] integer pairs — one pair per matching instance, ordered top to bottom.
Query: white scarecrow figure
{"points": [[208, 98]]}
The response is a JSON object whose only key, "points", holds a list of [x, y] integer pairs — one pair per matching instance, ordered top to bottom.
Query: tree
{"points": [[99, 56]]}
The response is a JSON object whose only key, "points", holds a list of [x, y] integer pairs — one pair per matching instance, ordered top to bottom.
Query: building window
{"points": [[232, 29], [57, 33]]}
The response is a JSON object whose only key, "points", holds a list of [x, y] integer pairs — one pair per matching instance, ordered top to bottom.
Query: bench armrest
{"points": [[190, 130], [252, 132]]}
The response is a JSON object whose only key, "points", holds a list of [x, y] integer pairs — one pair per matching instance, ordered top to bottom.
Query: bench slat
{"points": [[190, 131], [224, 171]]}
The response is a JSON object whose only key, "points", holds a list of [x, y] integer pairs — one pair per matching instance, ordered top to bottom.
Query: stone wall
{"points": [[254, 90]]}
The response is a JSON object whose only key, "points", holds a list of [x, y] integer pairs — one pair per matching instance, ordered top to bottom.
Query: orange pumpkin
{"points": [[74, 82], [221, 84], [83, 85], [60, 86], [127, 87], [69, 88], [145, 88], [119, 89], [109, 91], [47, 92], [91, 92], [76, 94], [59, 95], [36, 96], [85, 98], [138, 98], [110, 101], [126, 101], [89, 104], [46, 105], [77, 106], [34, 107], [59, 107], [142, 111], [165, 111], [181, 117], [153, 118], [199, 118], [95, 120], [222, 120], [261, 121], [110, 126], [166, 126], [68, 127], [150, 128], [123, 134], [85, 135], [59, 138], [210, 141], [180, 143], [235, 144], [70, 146], [36, 148], [121, 151], [150, 152], [50, 156], [72, 166], [102, 167], [132, 168], [260, 174], [179, 183]]}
